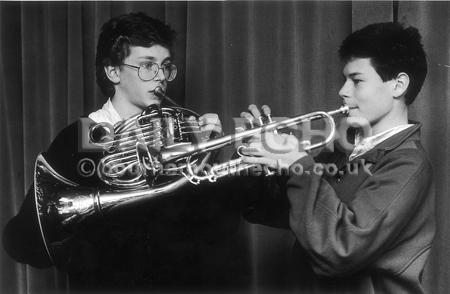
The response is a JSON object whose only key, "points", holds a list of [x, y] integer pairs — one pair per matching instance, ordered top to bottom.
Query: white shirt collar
{"points": [[106, 114], [363, 145]]}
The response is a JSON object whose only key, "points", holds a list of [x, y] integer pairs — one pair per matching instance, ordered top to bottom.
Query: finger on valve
{"points": [[267, 112], [256, 114], [249, 118], [209, 119], [212, 121], [192, 123], [210, 126]]}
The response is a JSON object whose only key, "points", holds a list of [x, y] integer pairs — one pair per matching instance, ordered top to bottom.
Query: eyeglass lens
{"points": [[149, 71]]}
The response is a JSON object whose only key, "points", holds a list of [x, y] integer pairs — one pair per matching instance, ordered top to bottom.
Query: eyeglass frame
{"points": [[157, 72]]}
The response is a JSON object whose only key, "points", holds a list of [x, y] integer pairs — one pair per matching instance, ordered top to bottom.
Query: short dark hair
{"points": [[119, 33], [392, 49]]}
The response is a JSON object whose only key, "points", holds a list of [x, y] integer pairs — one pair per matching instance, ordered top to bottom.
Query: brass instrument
{"points": [[157, 142], [129, 156], [236, 165], [127, 167]]}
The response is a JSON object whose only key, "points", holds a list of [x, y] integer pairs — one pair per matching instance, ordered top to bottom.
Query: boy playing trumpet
{"points": [[363, 232]]}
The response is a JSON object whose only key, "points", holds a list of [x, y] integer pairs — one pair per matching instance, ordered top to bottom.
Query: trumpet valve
{"points": [[266, 111]]}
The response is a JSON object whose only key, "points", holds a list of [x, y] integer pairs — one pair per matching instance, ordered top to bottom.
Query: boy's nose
{"points": [[160, 76], [344, 91]]}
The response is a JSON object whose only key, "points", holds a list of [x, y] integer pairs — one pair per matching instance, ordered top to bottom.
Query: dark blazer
{"points": [[364, 226], [187, 240]]}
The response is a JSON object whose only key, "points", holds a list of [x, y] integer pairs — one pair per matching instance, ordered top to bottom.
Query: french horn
{"points": [[128, 168]]}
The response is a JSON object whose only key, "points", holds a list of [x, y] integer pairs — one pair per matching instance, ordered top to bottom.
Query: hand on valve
{"points": [[209, 125], [269, 148]]}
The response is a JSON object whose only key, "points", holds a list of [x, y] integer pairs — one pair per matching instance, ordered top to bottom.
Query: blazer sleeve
{"points": [[269, 205], [22, 237], [343, 238]]}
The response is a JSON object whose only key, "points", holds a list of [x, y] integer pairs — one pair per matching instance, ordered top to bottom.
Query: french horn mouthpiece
{"points": [[159, 91]]}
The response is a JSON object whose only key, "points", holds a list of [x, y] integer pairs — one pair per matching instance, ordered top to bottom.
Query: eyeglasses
{"points": [[149, 70]]}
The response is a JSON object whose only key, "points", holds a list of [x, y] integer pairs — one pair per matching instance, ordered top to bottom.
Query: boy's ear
{"points": [[112, 72], [401, 83]]}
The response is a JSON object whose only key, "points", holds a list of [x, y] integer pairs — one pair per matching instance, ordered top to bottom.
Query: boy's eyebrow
{"points": [[151, 58], [353, 74]]}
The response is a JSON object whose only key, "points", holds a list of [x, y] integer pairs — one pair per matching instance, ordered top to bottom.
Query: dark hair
{"points": [[119, 33], [392, 49]]}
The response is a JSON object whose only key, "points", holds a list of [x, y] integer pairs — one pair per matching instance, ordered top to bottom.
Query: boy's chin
{"points": [[154, 101], [357, 121]]}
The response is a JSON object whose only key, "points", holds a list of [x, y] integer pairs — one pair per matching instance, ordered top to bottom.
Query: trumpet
{"points": [[236, 165]]}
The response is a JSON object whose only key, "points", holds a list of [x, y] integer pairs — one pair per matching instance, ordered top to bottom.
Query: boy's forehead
{"points": [[155, 52], [358, 65]]}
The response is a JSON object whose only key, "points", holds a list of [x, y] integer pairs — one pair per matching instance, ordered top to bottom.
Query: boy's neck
{"points": [[124, 108], [397, 117]]}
